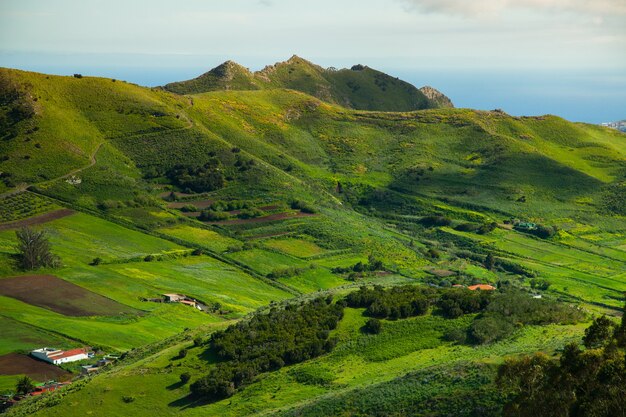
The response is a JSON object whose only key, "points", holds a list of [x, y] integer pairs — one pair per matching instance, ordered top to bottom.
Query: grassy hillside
{"points": [[360, 87], [257, 196]]}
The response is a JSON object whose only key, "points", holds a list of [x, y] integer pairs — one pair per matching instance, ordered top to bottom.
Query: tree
{"points": [[34, 249], [490, 262], [373, 326], [620, 332], [599, 333], [185, 377], [24, 385]]}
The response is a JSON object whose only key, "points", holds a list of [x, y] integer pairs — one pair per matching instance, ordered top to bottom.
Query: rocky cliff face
{"points": [[436, 96]]}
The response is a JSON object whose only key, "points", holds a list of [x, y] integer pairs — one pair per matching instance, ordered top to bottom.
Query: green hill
{"points": [[360, 87], [261, 195]]}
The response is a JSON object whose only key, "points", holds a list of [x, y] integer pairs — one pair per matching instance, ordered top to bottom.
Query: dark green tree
{"points": [[490, 262], [373, 326], [599, 333]]}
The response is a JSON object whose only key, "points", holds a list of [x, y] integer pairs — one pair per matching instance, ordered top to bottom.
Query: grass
{"points": [[204, 237], [96, 238], [295, 247], [264, 261], [21, 337]]}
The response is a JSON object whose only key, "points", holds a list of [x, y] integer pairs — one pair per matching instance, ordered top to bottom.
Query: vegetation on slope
{"points": [[360, 87], [307, 193], [583, 382]]}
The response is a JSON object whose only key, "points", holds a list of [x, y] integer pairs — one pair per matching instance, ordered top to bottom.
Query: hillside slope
{"points": [[360, 87], [249, 199]]}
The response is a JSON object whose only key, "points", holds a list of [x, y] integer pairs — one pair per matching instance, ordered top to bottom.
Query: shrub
{"points": [[302, 206], [213, 216], [433, 221], [149, 258], [96, 261], [539, 284], [372, 326], [182, 353], [185, 377], [24, 385], [128, 399]]}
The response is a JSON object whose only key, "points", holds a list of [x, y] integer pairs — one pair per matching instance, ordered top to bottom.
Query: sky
{"points": [[527, 57]]}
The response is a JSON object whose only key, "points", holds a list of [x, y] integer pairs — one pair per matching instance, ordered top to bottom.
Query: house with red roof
{"points": [[57, 356]]}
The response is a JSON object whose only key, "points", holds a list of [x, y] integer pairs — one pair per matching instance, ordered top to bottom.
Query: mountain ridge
{"points": [[359, 88]]}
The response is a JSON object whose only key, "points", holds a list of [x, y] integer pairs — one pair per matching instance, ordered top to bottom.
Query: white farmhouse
{"points": [[57, 356]]}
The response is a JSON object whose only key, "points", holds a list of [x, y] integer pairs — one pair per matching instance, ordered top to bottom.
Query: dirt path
{"points": [[24, 187], [40, 219]]}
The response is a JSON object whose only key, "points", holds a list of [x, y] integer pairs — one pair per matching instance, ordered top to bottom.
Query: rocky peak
{"points": [[436, 96]]}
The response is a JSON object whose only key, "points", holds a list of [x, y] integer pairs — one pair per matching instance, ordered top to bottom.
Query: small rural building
{"points": [[526, 226], [481, 287], [174, 298], [57, 356]]}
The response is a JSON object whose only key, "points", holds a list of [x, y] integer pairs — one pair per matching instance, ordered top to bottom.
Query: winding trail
{"points": [[24, 187]]}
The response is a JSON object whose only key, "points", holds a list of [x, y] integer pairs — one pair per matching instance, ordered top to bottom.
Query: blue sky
{"points": [[565, 57]]}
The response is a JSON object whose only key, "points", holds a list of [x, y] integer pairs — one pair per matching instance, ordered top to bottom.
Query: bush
{"points": [[302, 206], [213, 216], [433, 221], [149, 258], [96, 261], [539, 284], [373, 326], [182, 353], [185, 377], [24, 385], [128, 399]]}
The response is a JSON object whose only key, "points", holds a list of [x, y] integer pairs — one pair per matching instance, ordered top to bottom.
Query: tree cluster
{"points": [[208, 177], [373, 264], [394, 303], [512, 308], [268, 342], [587, 382]]}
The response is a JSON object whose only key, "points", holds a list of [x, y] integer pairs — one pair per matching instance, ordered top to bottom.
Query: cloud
{"points": [[475, 8]]}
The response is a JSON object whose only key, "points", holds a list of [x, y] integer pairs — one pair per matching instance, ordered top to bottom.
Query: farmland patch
{"points": [[52, 293], [16, 364]]}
